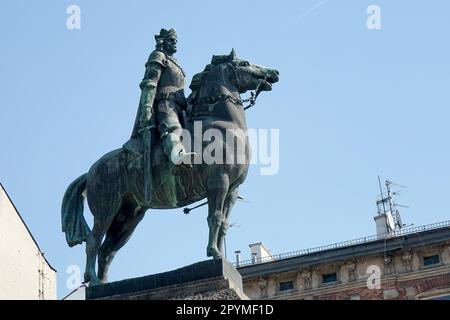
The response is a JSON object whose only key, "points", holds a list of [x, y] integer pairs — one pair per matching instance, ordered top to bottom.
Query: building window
{"points": [[431, 260], [329, 278], [289, 285]]}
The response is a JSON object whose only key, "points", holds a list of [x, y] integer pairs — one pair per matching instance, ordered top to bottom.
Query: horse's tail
{"points": [[72, 218]]}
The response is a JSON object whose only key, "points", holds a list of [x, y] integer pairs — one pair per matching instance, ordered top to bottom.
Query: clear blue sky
{"points": [[351, 104]]}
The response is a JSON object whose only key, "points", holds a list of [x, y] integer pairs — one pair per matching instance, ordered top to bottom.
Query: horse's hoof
{"points": [[212, 252], [92, 280], [104, 280], [95, 282]]}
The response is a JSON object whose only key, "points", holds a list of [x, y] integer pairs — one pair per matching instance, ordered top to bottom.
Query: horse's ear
{"points": [[232, 55]]}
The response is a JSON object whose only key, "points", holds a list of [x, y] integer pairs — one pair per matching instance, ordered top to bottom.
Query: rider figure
{"points": [[162, 90]]}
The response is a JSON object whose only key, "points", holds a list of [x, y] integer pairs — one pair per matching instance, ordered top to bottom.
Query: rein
{"points": [[253, 94], [228, 97]]}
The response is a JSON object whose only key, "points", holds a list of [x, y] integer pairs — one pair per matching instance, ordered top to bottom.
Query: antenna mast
{"points": [[382, 200], [393, 218]]}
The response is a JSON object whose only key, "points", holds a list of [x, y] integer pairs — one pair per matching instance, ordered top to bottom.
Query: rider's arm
{"points": [[153, 69], [148, 90]]}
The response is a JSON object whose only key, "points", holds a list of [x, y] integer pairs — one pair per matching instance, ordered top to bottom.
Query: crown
{"points": [[163, 34]]}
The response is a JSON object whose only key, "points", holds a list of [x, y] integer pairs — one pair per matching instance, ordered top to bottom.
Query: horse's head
{"points": [[237, 72], [248, 76]]}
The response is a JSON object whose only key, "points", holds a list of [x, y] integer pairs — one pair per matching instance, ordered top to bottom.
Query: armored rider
{"points": [[162, 90]]}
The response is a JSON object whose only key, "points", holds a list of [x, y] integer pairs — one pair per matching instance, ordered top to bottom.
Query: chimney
{"points": [[381, 223], [237, 252], [260, 253]]}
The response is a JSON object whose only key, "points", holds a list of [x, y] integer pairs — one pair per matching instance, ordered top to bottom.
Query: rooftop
{"points": [[415, 236]]}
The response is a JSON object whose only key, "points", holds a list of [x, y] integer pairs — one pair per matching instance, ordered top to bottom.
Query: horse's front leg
{"points": [[217, 192], [228, 205]]}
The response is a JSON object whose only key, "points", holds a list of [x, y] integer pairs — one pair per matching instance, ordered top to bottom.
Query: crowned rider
{"points": [[162, 91]]}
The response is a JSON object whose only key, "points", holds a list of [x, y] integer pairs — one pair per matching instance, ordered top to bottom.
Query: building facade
{"points": [[409, 264], [25, 273]]}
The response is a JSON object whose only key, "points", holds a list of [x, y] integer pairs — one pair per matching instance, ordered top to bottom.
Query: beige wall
{"points": [[24, 273], [403, 280]]}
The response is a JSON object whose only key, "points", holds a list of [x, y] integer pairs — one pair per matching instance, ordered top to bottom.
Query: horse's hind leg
{"points": [[217, 192], [228, 205], [103, 217], [117, 236], [93, 242]]}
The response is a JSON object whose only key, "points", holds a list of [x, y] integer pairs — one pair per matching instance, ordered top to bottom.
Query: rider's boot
{"points": [[180, 159]]}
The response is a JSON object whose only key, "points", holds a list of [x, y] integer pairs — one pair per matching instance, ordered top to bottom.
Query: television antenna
{"points": [[387, 206]]}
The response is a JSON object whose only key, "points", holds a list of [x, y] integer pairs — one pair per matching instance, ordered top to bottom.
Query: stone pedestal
{"points": [[206, 280]]}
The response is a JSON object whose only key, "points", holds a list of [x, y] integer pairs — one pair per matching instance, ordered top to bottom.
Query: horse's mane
{"points": [[197, 79]]}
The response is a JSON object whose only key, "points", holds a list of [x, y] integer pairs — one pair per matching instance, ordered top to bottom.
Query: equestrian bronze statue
{"points": [[156, 169]]}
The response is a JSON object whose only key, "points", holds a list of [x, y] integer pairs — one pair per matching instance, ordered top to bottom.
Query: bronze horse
{"points": [[114, 185]]}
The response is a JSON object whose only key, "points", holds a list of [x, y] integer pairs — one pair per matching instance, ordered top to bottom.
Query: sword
{"points": [[147, 135]]}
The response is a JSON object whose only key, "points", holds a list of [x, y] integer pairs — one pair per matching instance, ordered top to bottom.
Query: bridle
{"points": [[253, 94], [237, 101]]}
